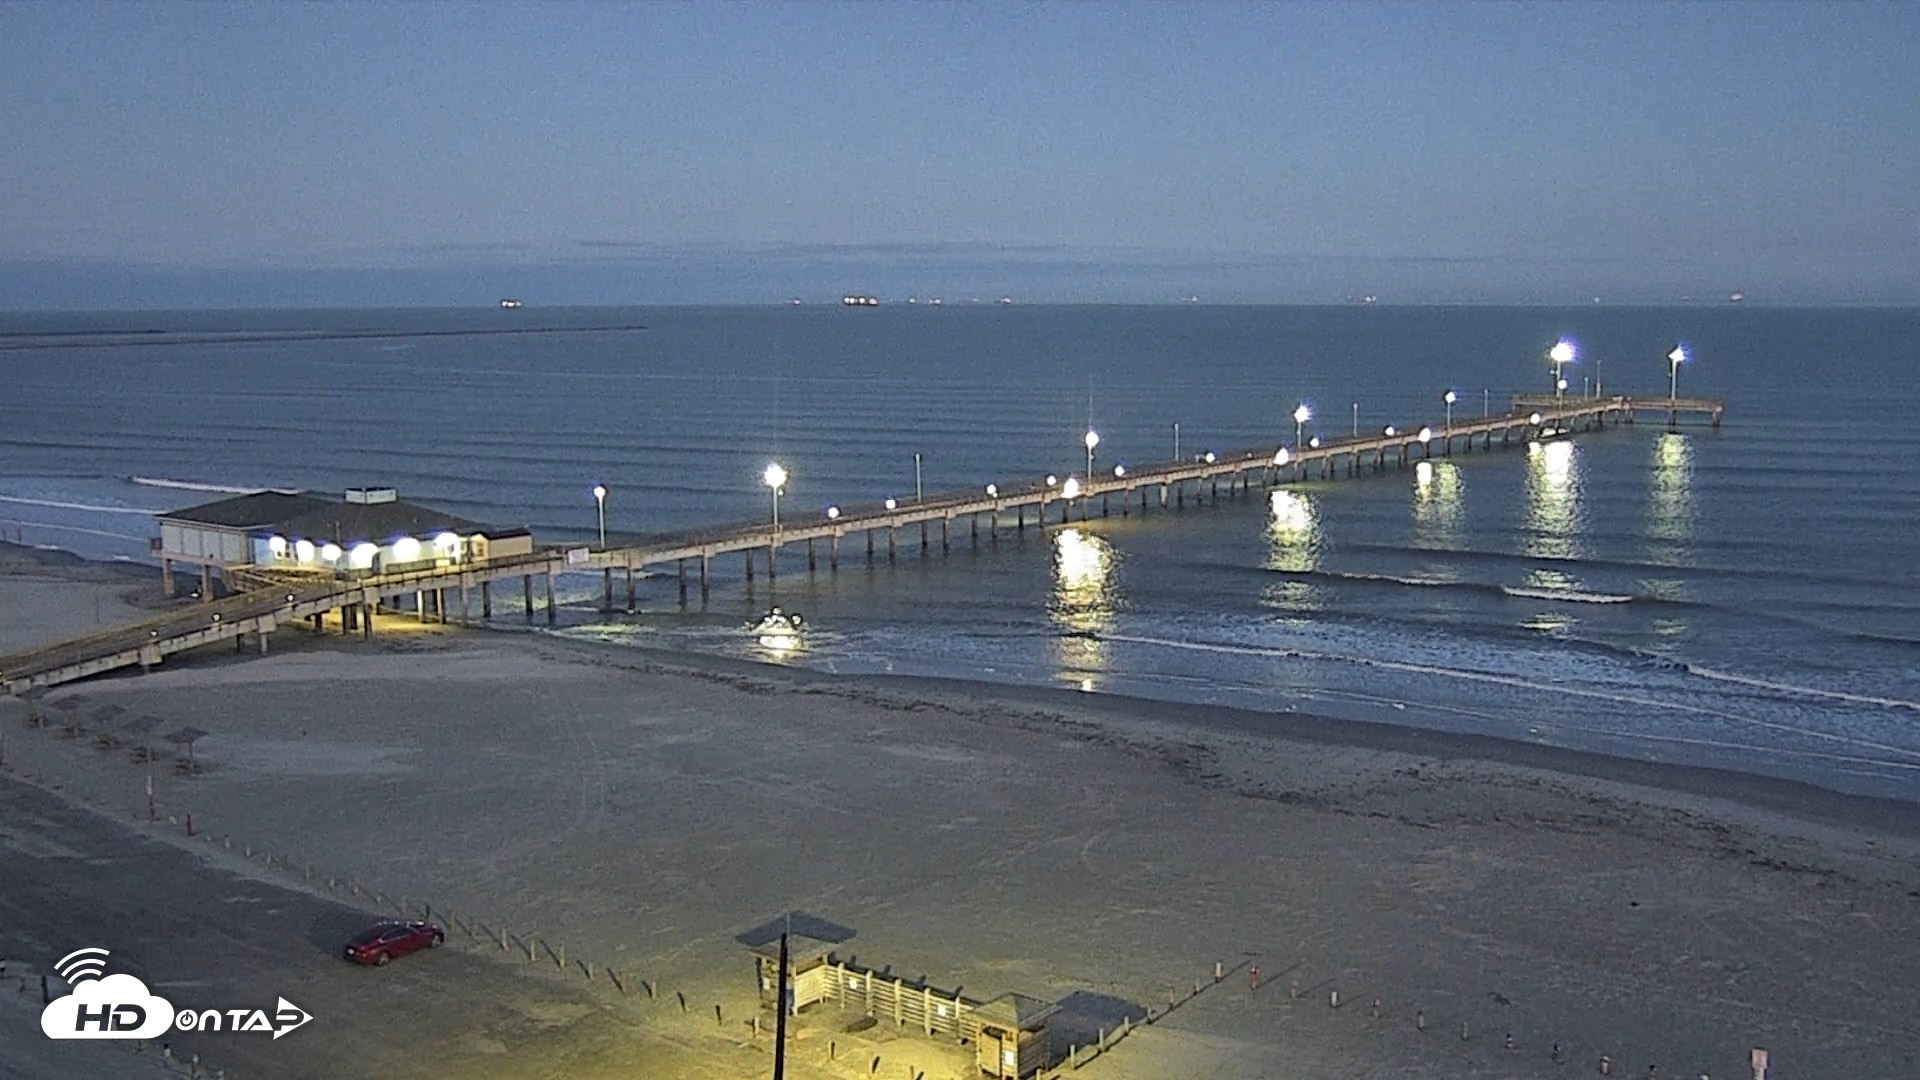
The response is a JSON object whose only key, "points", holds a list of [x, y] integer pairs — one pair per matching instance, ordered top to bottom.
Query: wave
{"points": [[189, 485], [89, 507], [55, 527], [1565, 595], [1806, 691], [1900, 756]]}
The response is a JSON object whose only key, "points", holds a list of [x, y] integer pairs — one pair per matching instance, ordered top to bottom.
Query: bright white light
{"points": [[1561, 353], [1678, 355], [1562, 384], [1450, 397], [1302, 414], [1534, 419], [1390, 432], [1426, 434], [1093, 438], [1314, 442], [1280, 456], [1209, 458], [1119, 470], [1423, 474], [775, 477], [1052, 480], [1071, 489], [599, 491], [993, 491], [891, 503], [833, 513], [1291, 515], [447, 543], [277, 545], [405, 549], [303, 550], [330, 553], [361, 558], [1083, 560]]}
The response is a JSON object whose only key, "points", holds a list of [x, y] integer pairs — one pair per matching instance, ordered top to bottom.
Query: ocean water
{"points": [[1746, 598]]}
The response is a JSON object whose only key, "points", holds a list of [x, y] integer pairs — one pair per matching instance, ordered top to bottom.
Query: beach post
{"points": [[1219, 969], [1253, 978], [1759, 1061]]}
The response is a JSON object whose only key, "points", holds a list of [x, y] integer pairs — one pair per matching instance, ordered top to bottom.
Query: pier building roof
{"points": [[253, 510]]}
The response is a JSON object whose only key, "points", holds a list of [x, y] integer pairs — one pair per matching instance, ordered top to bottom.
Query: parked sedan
{"points": [[383, 941]]}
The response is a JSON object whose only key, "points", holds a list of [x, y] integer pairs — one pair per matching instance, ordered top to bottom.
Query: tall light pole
{"points": [[1560, 355], [1674, 359], [1449, 397], [1300, 417], [1356, 419], [1092, 440], [1176, 441], [776, 478], [916, 478], [600, 501]]}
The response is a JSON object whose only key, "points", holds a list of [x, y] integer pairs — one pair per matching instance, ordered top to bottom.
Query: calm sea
{"points": [[1747, 598]]}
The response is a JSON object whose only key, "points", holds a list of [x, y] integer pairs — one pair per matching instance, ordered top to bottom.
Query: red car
{"points": [[383, 941]]}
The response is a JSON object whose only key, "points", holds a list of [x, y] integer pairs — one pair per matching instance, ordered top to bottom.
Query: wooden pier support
{"points": [[526, 591], [486, 600]]}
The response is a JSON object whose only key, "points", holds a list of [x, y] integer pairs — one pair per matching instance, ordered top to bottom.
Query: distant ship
{"points": [[1736, 297], [860, 301], [509, 302]]}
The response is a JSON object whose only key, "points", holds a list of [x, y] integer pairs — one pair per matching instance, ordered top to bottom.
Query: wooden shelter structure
{"points": [[806, 969], [1013, 1037]]}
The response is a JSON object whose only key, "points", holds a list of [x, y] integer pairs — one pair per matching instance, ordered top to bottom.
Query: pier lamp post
{"points": [[1560, 355], [1674, 359], [1449, 397], [1300, 417], [1356, 419], [1390, 432], [1092, 440], [1426, 441], [1119, 472], [776, 478], [916, 478], [993, 491], [600, 502], [893, 504], [833, 513]]}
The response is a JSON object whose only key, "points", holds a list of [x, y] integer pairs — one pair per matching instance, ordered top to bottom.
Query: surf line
{"points": [[1524, 684]]}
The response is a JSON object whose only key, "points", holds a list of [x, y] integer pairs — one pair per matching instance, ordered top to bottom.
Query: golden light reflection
{"points": [[1670, 491], [1553, 500], [1436, 502], [1293, 545], [1082, 603]]}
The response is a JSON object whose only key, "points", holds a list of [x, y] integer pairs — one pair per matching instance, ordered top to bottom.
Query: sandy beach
{"points": [[643, 809]]}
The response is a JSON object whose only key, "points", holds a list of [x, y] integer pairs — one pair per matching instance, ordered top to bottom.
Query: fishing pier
{"points": [[270, 599]]}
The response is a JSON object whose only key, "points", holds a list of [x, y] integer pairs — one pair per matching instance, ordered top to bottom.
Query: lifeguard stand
{"points": [[1013, 1037]]}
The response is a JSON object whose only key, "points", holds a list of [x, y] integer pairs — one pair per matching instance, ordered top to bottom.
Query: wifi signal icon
{"points": [[82, 965]]}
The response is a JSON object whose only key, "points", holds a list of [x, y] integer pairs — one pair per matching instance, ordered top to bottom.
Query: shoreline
{"points": [[1771, 795]]}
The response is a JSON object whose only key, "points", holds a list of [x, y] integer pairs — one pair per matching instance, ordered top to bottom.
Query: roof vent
{"points": [[369, 496]]}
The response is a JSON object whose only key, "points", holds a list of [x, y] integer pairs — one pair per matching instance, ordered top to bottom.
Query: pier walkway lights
{"points": [[1561, 355], [1674, 359], [1449, 397], [1300, 417], [1534, 419], [1390, 432], [1426, 435], [1092, 440], [1314, 442], [1280, 456], [1208, 458], [1119, 472], [775, 478], [1052, 480], [1070, 489], [993, 491], [600, 502], [892, 503], [833, 513]]}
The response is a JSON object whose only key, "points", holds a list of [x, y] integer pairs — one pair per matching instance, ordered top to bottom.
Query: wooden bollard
{"points": [[560, 957], [1219, 970], [618, 983], [648, 987], [1293, 991], [683, 999], [1333, 999], [1376, 1008], [1420, 1020], [1463, 1031], [1606, 1065], [875, 1067]]}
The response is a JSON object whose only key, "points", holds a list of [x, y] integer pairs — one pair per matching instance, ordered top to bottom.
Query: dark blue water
{"points": [[1746, 598]]}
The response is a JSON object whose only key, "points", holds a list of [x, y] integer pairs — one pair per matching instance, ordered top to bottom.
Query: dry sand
{"points": [[644, 809]]}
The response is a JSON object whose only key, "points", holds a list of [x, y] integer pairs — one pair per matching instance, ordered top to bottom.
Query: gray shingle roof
{"points": [[249, 511], [347, 523]]}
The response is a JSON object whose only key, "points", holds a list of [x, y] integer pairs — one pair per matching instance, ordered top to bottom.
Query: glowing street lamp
{"points": [[1561, 355], [1674, 359], [1449, 397], [1300, 417], [1390, 431], [1426, 435], [1092, 440], [1280, 457], [1119, 472], [776, 478], [1070, 489], [993, 491], [600, 501], [892, 503], [833, 513]]}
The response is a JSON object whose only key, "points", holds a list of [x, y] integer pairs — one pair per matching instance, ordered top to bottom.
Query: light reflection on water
{"points": [[1437, 491], [1554, 516], [1293, 545], [1082, 603]]}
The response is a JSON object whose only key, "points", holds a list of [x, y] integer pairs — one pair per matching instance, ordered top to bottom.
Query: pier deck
{"points": [[275, 600]]}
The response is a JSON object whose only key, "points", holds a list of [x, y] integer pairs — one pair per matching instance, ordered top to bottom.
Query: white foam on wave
{"points": [[190, 485], [92, 508], [1566, 595], [1807, 691], [1909, 757]]}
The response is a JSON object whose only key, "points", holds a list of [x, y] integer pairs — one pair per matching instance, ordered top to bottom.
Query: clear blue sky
{"points": [[450, 153]]}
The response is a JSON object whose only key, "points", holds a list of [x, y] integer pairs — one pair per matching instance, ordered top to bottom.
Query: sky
{"points": [[197, 154]]}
